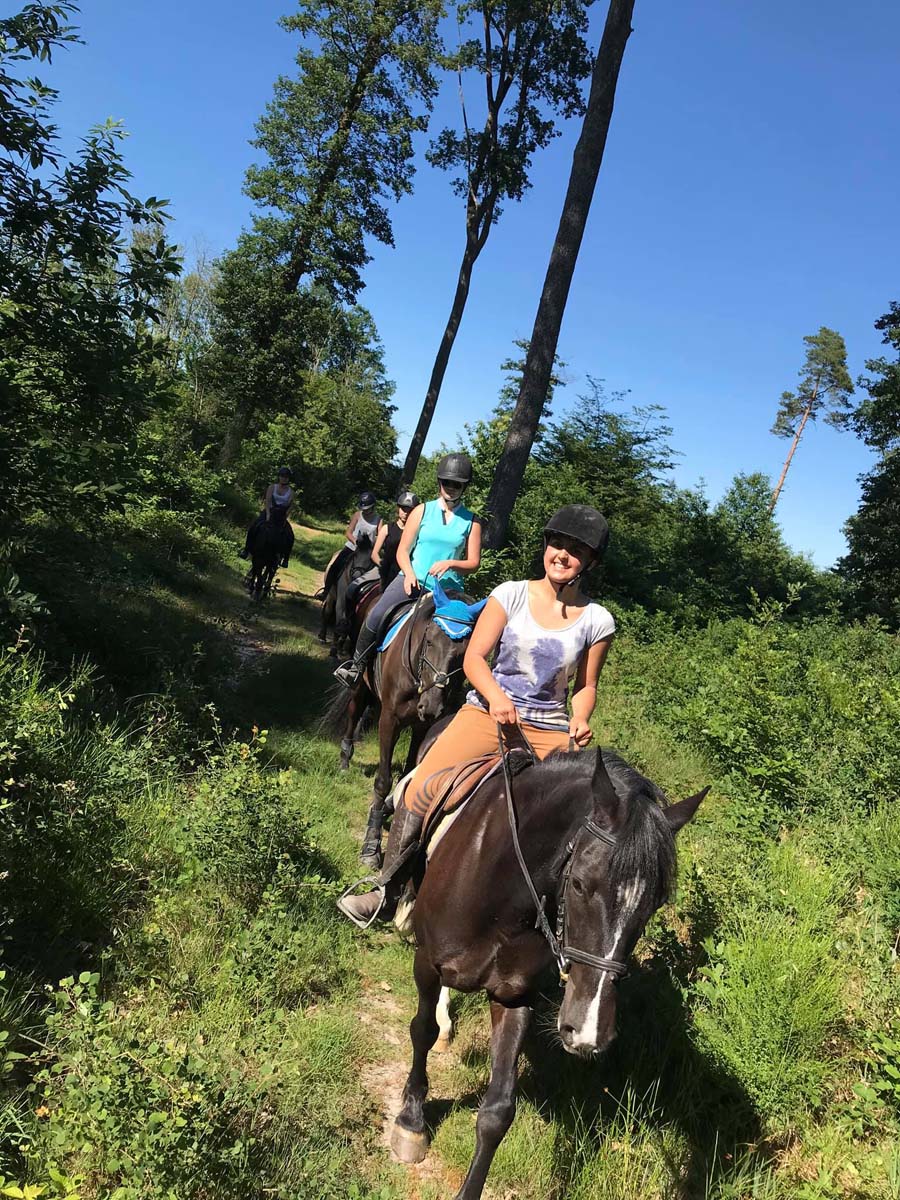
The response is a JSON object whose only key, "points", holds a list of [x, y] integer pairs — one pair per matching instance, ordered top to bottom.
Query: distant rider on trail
{"points": [[279, 498], [364, 521], [440, 540], [542, 634]]}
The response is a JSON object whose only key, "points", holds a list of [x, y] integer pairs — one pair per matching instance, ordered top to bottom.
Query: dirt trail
{"points": [[379, 1009]]}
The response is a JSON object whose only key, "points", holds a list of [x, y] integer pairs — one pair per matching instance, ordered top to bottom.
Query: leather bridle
{"points": [[564, 953]]}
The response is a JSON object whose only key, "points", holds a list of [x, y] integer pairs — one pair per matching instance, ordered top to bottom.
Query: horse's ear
{"points": [[440, 596], [475, 609], [605, 795], [679, 814]]}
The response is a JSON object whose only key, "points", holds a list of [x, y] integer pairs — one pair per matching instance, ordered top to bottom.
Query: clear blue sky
{"points": [[749, 194]]}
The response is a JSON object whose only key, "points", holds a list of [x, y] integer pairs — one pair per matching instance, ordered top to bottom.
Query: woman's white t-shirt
{"points": [[535, 665]]}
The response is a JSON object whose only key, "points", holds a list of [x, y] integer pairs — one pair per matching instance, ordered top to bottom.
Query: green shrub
{"points": [[769, 997], [145, 1114]]}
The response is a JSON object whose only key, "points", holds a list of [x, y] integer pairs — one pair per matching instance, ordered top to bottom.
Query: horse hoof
{"points": [[442, 1045], [408, 1146]]}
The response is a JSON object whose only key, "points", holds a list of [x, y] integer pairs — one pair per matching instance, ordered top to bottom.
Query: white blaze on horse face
{"points": [[628, 898]]}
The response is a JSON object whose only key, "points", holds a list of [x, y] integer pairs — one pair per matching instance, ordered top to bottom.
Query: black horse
{"points": [[269, 544], [335, 616], [599, 844]]}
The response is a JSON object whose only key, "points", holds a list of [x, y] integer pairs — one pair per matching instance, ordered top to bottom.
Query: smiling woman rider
{"points": [[543, 634]]}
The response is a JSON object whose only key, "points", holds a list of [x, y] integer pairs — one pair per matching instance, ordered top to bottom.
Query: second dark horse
{"points": [[418, 679]]}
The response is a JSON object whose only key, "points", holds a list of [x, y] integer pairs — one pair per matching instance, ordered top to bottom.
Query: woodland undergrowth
{"points": [[179, 1002]]}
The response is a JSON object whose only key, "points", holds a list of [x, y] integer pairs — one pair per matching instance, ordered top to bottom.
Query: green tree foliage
{"points": [[529, 60], [338, 138], [337, 141], [79, 367], [825, 387], [338, 438], [872, 565]]}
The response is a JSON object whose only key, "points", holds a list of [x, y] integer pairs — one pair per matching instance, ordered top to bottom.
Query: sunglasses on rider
{"points": [[452, 485], [559, 541]]}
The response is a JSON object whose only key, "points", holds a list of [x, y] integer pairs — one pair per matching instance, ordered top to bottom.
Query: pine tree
{"points": [[825, 387]]}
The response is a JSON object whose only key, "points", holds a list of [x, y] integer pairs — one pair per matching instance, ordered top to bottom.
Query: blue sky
{"points": [[749, 194]]}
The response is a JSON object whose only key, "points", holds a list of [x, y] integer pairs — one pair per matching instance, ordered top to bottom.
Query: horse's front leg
{"points": [[388, 732], [370, 854], [444, 1020], [508, 1029], [409, 1140]]}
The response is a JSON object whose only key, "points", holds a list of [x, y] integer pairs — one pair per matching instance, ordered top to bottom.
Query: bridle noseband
{"points": [[440, 679], [564, 953]]}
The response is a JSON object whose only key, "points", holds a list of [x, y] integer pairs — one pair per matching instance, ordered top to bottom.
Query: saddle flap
{"points": [[449, 789]]}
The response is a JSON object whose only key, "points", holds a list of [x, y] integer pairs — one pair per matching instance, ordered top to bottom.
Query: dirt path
{"points": [[263, 634]]}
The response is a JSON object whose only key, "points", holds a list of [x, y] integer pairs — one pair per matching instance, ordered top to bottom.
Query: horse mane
{"points": [[646, 844]]}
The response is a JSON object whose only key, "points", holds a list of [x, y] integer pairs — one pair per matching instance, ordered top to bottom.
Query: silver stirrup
{"points": [[374, 884]]}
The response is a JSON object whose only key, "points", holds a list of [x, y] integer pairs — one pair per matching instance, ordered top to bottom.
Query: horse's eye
{"points": [[577, 885]]}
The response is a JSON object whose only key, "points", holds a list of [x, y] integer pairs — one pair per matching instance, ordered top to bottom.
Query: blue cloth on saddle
{"points": [[455, 618], [395, 627]]}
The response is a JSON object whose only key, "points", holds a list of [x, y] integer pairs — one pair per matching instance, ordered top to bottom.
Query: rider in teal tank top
{"points": [[442, 535]]}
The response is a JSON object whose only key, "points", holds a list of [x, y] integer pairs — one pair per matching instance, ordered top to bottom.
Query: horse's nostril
{"points": [[567, 1033]]}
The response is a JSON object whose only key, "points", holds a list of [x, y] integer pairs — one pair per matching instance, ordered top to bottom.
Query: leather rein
{"points": [[564, 953]]}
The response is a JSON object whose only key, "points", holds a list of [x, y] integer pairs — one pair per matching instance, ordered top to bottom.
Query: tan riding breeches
{"points": [[471, 733]]}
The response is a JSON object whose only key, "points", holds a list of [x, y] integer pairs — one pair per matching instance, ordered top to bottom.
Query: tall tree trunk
{"points": [[542, 349], [441, 360], [794, 444]]}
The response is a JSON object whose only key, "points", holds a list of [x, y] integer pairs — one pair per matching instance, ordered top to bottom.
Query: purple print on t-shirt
{"points": [[549, 669]]}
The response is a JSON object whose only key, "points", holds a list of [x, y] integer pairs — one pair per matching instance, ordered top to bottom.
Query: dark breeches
{"points": [[389, 599]]}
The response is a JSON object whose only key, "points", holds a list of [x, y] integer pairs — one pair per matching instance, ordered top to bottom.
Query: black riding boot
{"points": [[350, 673], [370, 854], [382, 901]]}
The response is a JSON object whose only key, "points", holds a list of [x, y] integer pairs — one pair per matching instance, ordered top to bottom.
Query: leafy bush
{"points": [[768, 999], [144, 1113]]}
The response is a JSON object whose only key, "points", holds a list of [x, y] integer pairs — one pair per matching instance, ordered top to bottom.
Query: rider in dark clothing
{"points": [[279, 498], [384, 553]]}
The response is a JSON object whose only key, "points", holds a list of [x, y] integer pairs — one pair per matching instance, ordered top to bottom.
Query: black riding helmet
{"points": [[455, 468], [284, 471], [367, 500], [408, 500], [584, 524]]}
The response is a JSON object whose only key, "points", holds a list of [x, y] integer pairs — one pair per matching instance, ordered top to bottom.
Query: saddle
{"points": [[450, 789]]}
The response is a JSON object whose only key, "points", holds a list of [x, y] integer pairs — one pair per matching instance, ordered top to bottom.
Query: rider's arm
{"points": [[268, 500], [348, 532], [379, 542], [407, 542], [471, 550], [485, 636], [584, 694]]}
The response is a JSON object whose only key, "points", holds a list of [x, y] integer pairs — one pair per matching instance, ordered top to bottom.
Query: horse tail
{"points": [[337, 701]]}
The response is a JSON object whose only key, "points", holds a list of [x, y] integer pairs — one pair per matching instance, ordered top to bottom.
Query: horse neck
{"points": [[557, 806]]}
